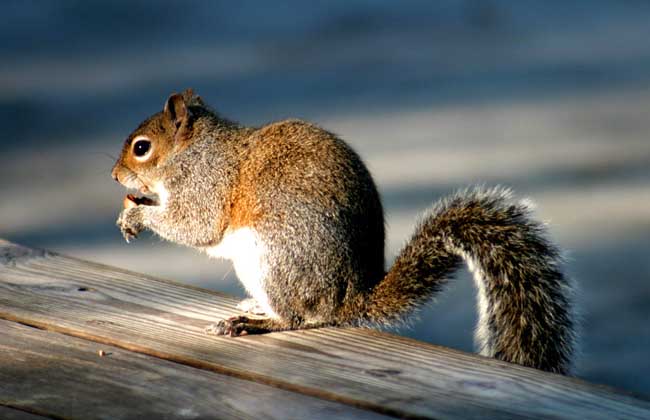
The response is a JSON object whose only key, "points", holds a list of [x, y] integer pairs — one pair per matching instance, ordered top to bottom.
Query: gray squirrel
{"points": [[299, 215]]}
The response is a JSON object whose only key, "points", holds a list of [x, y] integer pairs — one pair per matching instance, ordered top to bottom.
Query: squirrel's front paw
{"points": [[130, 223]]}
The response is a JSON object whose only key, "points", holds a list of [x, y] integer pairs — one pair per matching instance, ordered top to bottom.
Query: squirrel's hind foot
{"points": [[241, 325]]}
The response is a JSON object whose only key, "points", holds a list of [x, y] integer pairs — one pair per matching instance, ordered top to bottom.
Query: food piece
{"points": [[131, 201]]}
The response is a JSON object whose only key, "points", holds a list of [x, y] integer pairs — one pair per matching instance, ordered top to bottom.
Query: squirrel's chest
{"points": [[247, 251]]}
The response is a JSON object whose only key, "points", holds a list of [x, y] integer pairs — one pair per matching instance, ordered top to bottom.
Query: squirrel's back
{"points": [[315, 206]]}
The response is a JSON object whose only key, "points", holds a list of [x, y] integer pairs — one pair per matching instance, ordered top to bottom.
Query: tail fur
{"points": [[524, 302]]}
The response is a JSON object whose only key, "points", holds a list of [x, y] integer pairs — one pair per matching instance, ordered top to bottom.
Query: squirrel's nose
{"points": [[114, 174]]}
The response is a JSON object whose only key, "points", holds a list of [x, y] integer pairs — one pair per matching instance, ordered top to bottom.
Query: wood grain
{"points": [[363, 368], [66, 377]]}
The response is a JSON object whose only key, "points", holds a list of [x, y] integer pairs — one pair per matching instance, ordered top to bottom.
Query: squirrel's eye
{"points": [[141, 147]]}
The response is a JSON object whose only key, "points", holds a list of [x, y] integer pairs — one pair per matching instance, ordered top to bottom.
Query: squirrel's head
{"points": [[159, 137]]}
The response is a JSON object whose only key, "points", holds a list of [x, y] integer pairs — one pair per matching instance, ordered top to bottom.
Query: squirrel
{"points": [[298, 213]]}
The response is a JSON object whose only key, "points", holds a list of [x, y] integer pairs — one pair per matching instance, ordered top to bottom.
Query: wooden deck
{"points": [[57, 313]]}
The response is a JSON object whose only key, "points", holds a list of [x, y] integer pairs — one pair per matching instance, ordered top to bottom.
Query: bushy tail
{"points": [[525, 309]]}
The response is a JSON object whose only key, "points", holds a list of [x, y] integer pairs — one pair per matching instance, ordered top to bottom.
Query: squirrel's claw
{"points": [[127, 232], [128, 235]]}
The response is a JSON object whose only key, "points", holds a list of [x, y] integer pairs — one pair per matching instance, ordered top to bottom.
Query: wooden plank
{"points": [[365, 368], [65, 377], [8, 413]]}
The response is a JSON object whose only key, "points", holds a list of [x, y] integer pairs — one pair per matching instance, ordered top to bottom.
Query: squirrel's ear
{"points": [[188, 94], [192, 98], [176, 110]]}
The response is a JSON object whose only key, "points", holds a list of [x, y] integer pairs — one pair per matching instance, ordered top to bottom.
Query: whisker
{"points": [[226, 274]]}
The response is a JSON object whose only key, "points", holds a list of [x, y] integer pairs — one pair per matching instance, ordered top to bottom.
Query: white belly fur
{"points": [[247, 252]]}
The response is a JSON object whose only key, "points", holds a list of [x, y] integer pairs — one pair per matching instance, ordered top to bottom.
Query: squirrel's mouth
{"points": [[140, 194], [144, 197]]}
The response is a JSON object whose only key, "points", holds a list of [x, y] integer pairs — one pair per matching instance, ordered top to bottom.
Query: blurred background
{"points": [[551, 98]]}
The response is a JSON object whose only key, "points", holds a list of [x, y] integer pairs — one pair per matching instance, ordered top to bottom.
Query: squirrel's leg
{"points": [[192, 229]]}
